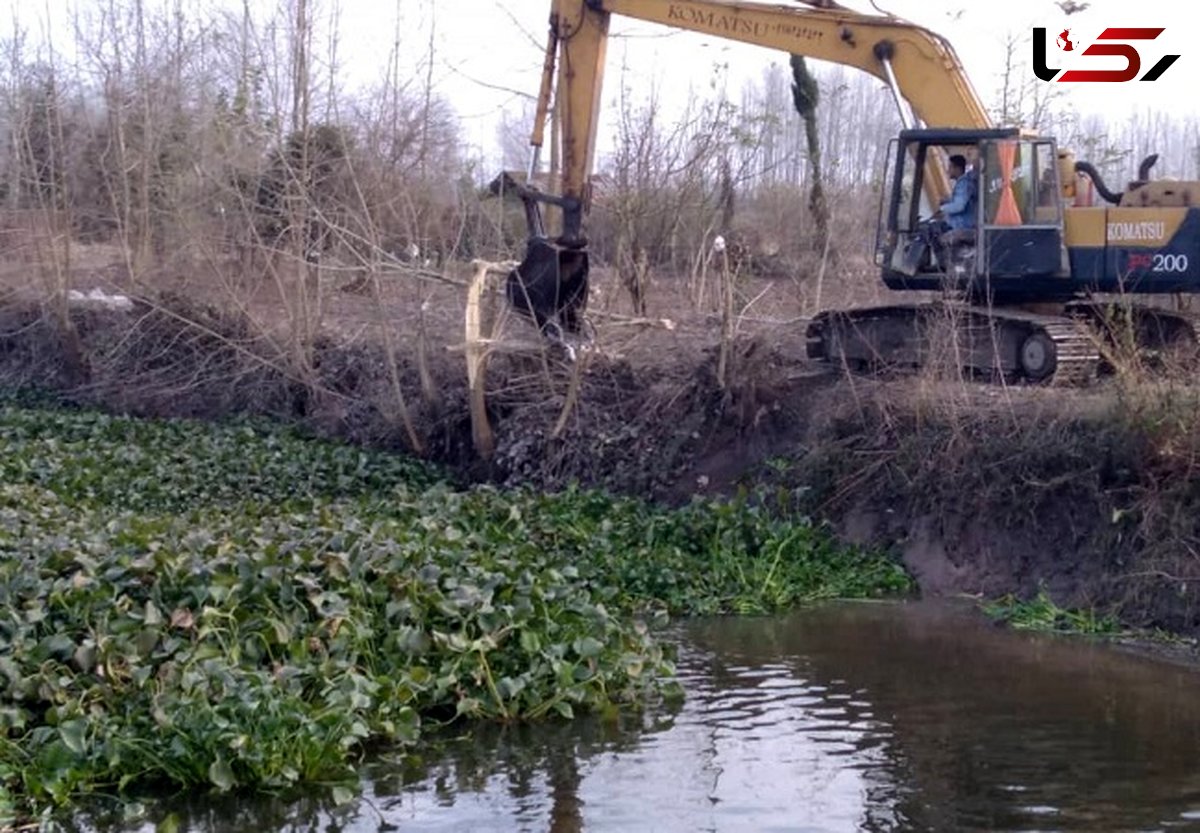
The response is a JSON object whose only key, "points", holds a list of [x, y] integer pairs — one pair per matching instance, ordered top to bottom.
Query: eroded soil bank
{"points": [[1091, 495]]}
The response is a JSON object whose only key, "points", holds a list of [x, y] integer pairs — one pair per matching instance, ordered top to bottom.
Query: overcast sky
{"points": [[488, 44], [488, 52]]}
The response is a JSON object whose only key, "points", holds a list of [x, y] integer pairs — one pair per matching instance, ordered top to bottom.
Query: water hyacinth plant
{"points": [[233, 606], [1041, 614]]}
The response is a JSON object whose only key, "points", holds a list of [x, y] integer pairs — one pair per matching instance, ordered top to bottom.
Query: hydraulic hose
{"points": [[1102, 189]]}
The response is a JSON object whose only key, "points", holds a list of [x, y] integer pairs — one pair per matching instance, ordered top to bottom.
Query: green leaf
{"points": [[282, 633], [455, 642], [530, 643], [588, 647], [85, 658], [73, 734], [221, 775], [342, 796], [170, 824]]}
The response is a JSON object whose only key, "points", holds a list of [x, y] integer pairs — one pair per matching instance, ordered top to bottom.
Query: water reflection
{"points": [[845, 718], [995, 730], [755, 748], [527, 778]]}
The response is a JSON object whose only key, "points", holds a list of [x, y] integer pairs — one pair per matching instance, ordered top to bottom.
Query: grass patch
{"points": [[183, 604]]}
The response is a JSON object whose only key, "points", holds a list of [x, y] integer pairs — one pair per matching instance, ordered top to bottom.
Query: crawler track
{"points": [[1160, 334], [1007, 343], [1076, 352]]}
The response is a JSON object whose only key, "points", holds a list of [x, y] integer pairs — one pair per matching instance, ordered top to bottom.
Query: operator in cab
{"points": [[959, 209], [955, 220]]}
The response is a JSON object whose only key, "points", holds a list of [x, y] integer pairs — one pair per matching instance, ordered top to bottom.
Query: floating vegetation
{"points": [[184, 604], [1042, 614]]}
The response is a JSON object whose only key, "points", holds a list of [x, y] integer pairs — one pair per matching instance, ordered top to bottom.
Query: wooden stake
{"points": [[477, 350]]}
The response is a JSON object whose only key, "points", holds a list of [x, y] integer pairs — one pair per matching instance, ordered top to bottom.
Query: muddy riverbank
{"points": [[1090, 494]]}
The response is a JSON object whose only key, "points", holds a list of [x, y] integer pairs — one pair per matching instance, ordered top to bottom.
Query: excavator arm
{"points": [[920, 67]]}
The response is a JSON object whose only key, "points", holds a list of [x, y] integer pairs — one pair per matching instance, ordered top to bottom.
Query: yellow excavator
{"points": [[1021, 286]]}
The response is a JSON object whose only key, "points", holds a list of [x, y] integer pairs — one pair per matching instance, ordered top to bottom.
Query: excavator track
{"points": [[1161, 335], [1008, 343], [1077, 356]]}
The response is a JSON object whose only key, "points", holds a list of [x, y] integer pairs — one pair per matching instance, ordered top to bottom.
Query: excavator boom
{"points": [[919, 66]]}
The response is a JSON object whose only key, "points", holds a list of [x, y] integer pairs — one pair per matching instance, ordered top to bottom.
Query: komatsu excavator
{"points": [[1021, 287]]}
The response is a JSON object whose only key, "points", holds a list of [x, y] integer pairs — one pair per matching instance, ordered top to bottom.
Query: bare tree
{"points": [[1022, 100]]}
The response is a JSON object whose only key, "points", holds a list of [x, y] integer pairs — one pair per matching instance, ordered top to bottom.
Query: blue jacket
{"points": [[960, 209]]}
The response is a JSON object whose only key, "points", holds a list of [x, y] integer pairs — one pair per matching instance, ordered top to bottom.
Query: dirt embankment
{"points": [[1093, 496]]}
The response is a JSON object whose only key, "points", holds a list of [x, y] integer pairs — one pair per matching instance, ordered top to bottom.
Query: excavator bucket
{"points": [[551, 286]]}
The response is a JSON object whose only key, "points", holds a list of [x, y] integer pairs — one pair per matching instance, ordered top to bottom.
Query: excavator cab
{"points": [[1016, 239]]}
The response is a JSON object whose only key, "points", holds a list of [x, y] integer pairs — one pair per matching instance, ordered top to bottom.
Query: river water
{"points": [[848, 717]]}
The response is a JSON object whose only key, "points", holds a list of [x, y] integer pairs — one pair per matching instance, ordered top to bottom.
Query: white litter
{"points": [[99, 298]]}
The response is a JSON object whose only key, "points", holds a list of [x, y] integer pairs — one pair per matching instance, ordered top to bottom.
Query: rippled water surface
{"points": [[850, 717]]}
